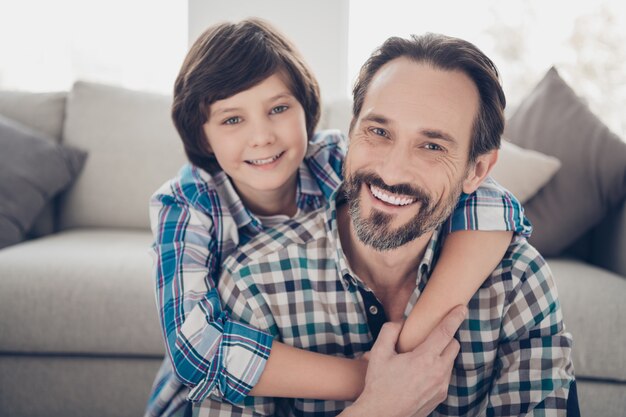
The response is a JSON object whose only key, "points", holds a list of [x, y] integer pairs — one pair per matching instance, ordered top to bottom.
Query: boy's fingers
{"points": [[441, 336]]}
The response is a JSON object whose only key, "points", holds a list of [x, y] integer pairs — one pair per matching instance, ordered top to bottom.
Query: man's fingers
{"points": [[441, 336], [387, 338], [450, 352]]}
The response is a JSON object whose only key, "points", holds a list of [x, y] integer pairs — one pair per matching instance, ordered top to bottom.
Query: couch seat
{"points": [[82, 291], [593, 306]]}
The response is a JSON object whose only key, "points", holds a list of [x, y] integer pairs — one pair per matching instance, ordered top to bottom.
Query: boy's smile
{"points": [[266, 163]]}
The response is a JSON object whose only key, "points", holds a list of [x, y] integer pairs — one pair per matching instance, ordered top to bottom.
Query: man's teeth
{"points": [[264, 161], [389, 198]]}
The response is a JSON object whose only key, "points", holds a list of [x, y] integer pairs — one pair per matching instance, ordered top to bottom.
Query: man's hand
{"points": [[412, 383]]}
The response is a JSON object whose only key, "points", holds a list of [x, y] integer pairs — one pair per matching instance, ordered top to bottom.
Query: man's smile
{"points": [[390, 198]]}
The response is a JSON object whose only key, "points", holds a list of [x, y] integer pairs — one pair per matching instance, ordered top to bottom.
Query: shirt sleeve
{"points": [[324, 158], [490, 208], [199, 334], [533, 371]]}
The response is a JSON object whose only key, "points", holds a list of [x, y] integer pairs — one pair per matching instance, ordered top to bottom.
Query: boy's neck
{"points": [[271, 202]]}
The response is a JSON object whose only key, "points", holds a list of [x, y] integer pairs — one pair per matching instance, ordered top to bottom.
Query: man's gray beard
{"points": [[375, 231]]}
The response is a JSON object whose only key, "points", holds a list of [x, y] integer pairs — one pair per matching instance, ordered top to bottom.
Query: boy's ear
{"points": [[479, 170]]}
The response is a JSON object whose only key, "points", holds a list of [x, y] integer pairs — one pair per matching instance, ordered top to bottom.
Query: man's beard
{"points": [[376, 231]]}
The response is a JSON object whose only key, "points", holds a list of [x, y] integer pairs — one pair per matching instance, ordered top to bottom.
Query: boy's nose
{"points": [[262, 135]]}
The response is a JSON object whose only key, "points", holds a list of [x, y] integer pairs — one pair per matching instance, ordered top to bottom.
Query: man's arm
{"points": [[534, 369]]}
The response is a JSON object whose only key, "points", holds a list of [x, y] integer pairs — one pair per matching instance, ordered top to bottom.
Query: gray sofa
{"points": [[79, 334]]}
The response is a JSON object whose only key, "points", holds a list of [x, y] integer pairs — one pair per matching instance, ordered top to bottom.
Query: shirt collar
{"points": [[306, 187], [348, 277]]}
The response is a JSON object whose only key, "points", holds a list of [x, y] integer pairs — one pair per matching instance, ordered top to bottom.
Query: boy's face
{"points": [[259, 137]]}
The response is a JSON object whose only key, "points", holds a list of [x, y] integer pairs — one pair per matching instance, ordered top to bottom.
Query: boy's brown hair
{"points": [[227, 59]]}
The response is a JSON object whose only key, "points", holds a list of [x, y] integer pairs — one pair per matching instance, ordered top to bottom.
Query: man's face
{"points": [[408, 154]]}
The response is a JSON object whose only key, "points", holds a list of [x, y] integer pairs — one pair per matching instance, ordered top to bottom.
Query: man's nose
{"points": [[262, 133], [396, 166]]}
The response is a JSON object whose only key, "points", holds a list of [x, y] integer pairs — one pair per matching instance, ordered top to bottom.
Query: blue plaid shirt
{"points": [[198, 220], [295, 283]]}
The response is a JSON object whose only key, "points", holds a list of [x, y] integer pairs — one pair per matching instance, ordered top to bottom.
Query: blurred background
{"points": [[140, 44]]}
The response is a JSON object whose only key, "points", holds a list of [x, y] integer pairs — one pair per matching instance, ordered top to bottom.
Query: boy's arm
{"points": [[478, 234], [467, 259], [196, 330], [290, 372], [297, 373]]}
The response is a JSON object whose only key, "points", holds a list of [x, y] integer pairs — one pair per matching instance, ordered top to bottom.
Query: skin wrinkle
{"points": [[426, 159]]}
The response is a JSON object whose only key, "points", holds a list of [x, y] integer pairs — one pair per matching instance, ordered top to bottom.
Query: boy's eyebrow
{"points": [[285, 94], [278, 96]]}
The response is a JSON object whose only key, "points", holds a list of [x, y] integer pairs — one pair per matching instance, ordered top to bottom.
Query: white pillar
{"points": [[319, 28]]}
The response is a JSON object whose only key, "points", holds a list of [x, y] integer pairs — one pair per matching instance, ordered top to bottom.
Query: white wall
{"points": [[318, 28]]}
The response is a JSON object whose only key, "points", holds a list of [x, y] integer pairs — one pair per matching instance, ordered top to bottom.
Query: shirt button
{"points": [[373, 310]]}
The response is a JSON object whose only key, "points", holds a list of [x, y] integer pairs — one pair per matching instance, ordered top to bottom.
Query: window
{"points": [[585, 40], [47, 45]]}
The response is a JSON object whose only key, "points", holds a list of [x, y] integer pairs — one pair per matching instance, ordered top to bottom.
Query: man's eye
{"points": [[279, 109], [232, 120], [378, 131], [433, 147]]}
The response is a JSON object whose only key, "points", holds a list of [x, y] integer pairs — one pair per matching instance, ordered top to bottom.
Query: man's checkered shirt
{"points": [[295, 283]]}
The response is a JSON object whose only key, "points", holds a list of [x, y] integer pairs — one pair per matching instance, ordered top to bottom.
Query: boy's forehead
{"points": [[270, 88]]}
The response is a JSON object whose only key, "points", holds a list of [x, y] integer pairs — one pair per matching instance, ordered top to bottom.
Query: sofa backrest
{"points": [[132, 148]]}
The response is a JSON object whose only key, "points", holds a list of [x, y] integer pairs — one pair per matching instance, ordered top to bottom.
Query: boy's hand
{"points": [[412, 383]]}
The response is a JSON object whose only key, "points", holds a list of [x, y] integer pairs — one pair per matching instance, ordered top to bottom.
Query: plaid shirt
{"points": [[198, 219], [295, 282]]}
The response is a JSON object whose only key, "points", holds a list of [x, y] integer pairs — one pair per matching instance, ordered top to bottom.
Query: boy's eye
{"points": [[278, 109], [232, 120]]}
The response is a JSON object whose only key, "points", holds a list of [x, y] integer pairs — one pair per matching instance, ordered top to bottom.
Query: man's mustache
{"points": [[408, 190]]}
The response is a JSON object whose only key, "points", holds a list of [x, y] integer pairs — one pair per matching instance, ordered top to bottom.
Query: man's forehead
{"points": [[430, 97]]}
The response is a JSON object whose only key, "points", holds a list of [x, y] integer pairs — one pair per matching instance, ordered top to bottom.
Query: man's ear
{"points": [[479, 170]]}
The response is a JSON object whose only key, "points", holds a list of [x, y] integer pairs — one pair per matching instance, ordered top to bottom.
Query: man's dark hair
{"points": [[450, 54], [227, 59]]}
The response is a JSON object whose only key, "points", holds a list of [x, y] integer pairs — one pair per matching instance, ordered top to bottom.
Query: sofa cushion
{"points": [[43, 112], [133, 149], [33, 169], [523, 171], [592, 179], [80, 291], [594, 311]]}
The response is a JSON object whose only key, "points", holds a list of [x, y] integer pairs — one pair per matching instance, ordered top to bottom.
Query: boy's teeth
{"points": [[264, 161], [390, 198]]}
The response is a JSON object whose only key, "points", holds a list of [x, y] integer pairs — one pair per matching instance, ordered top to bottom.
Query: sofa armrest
{"points": [[609, 242]]}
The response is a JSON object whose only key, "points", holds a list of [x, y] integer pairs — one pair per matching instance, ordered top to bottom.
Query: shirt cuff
{"points": [[238, 364]]}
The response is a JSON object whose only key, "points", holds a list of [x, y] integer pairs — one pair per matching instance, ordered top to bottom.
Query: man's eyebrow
{"points": [[376, 118], [438, 134]]}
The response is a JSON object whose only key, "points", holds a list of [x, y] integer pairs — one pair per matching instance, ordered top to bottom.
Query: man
{"points": [[427, 120]]}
